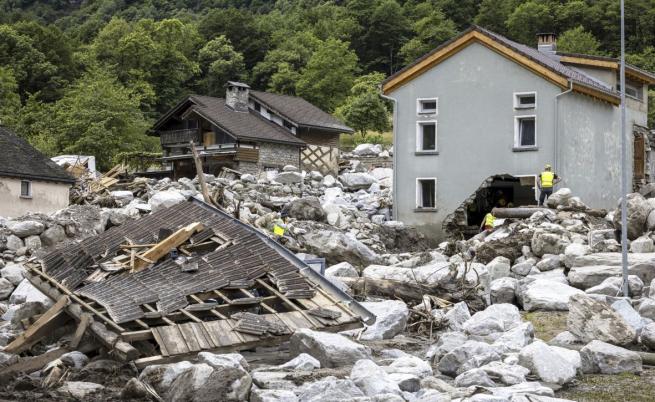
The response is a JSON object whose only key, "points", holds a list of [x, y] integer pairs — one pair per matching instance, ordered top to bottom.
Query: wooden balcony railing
{"points": [[180, 136]]}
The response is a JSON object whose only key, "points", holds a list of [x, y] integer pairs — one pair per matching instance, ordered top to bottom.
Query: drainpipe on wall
{"points": [[556, 139], [394, 208]]}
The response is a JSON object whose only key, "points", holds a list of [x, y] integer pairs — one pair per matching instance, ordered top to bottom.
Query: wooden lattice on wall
{"points": [[322, 159]]}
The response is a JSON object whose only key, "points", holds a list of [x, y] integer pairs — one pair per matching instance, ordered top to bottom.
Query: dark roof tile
{"points": [[19, 159]]}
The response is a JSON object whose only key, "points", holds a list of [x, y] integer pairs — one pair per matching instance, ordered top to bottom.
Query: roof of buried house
{"points": [[21, 160], [232, 289]]}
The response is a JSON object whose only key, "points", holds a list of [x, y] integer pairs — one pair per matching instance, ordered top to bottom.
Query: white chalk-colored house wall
{"points": [[46, 197]]}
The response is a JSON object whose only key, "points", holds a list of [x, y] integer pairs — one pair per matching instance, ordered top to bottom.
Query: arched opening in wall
{"points": [[502, 190]]}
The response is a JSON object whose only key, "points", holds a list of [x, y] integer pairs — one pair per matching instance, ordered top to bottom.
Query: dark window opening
{"points": [[428, 106], [258, 107], [527, 132], [428, 137], [26, 188], [427, 193]]}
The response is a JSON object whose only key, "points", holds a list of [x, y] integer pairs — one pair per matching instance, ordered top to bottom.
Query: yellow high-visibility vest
{"points": [[547, 179], [489, 220], [278, 230]]}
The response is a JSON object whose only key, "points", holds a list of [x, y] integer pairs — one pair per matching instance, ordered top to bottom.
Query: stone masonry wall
{"points": [[278, 155]]}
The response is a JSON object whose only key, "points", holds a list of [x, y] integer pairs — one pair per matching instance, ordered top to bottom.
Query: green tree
{"points": [[493, 14], [528, 19], [431, 31], [577, 40], [646, 61], [219, 63], [328, 75], [9, 99], [364, 110], [96, 116]]}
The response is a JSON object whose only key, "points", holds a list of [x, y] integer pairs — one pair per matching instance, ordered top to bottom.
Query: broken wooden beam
{"points": [[200, 173], [162, 248], [403, 290], [50, 320], [85, 321], [30, 364]]}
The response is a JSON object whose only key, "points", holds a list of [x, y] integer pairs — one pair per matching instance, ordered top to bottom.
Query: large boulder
{"points": [[367, 150], [289, 177], [357, 181], [559, 197], [165, 199], [307, 209], [638, 209], [25, 228], [544, 242], [14, 243], [643, 244], [336, 247], [498, 268], [342, 269], [14, 273], [6, 288], [503, 290], [26, 292], [542, 294], [457, 316], [391, 318], [590, 319], [492, 322], [647, 336], [516, 338], [447, 342], [332, 350], [467, 356], [601, 357], [544, 362], [508, 374], [474, 377], [372, 379], [330, 389], [81, 390], [273, 395]]}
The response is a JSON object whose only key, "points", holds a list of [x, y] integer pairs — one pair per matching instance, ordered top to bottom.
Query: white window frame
{"points": [[517, 104], [421, 112], [419, 136], [517, 143], [29, 187], [536, 187], [419, 193]]}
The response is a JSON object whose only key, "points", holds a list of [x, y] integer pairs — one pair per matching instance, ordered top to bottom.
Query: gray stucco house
{"points": [[477, 118], [249, 131]]}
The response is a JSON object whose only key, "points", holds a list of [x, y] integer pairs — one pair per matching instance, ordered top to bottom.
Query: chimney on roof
{"points": [[547, 43], [236, 96]]}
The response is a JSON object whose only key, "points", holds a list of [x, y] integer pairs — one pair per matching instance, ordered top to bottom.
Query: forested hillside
{"points": [[91, 76]]}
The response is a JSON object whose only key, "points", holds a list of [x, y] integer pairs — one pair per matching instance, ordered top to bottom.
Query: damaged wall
{"points": [[475, 130], [47, 197]]}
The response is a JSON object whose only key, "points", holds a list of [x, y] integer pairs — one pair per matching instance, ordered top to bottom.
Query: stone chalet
{"points": [[248, 130], [29, 181]]}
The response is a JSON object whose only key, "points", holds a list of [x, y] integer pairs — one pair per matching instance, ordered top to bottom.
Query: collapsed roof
{"points": [[230, 287]]}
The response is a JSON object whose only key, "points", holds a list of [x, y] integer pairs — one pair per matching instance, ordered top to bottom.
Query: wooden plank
{"points": [[200, 173], [164, 247], [285, 300], [85, 320], [39, 329], [132, 336], [189, 336], [204, 340], [160, 341], [31, 364]]}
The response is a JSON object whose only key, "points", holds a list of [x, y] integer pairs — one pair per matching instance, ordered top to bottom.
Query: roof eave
{"points": [[607, 63], [346, 130], [37, 177]]}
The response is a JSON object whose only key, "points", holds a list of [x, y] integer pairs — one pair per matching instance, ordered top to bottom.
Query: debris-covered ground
{"points": [[529, 312]]}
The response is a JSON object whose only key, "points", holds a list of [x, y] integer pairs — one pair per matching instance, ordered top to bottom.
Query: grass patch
{"points": [[547, 324], [612, 388]]}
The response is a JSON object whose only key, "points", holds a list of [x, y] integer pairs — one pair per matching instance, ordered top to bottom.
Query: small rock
{"points": [[53, 235], [33, 242], [643, 244], [344, 269], [14, 273], [6, 288], [503, 290], [457, 316], [391, 318], [493, 321], [647, 336], [74, 359], [302, 362], [546, 363], [474, 377], [372, 379], [134, 389], [80, 390], [272, 395]]}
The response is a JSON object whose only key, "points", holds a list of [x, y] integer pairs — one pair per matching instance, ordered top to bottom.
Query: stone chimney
{"points": [[547, 43], [236, 96]]}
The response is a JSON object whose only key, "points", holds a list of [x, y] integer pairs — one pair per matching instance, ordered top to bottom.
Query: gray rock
{"points": [[367, 150], [289, 177], [356, 181], [122, 197], [559, 197], [165, 199], [307, 209], [638, 210], [25, 228], [53, 235], [32, 242], [14, 243], [547, 243], [643, 244], [336, 247], [574, 251], [549, 262], [499, 267], [344, 269], [522, 269], [14, 273], [591, 276], [6, 288], [503, 290], [26, 292], [542, 294], [647, 308], [26, 310], [629, 314], [457, 316], [391, 318], [590, 319], [493, 321], [647, 336], [516, 338], [565, 339], [446, 343], [332, 350], [471, 354], [601, 357], [7, 359], [74, 359], [302, 362], [546, 363], [409, 364], [508, 374], [161, 376], [474, 377], [372, 379], [272, 380], [203, 382], [406, 382], [530, 387], [330, 389], [80, 390], [272, 395]]}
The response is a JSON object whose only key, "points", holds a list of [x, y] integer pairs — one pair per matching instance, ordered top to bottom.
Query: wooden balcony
{"points": [[180, 136]]}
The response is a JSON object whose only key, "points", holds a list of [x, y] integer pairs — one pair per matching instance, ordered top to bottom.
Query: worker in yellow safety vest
{"points": [[546, 182], [487, 224], [280, 225]]}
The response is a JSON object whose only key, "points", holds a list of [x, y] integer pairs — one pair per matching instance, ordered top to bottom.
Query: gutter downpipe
{"points": [[394, 119], [556, 161]]}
